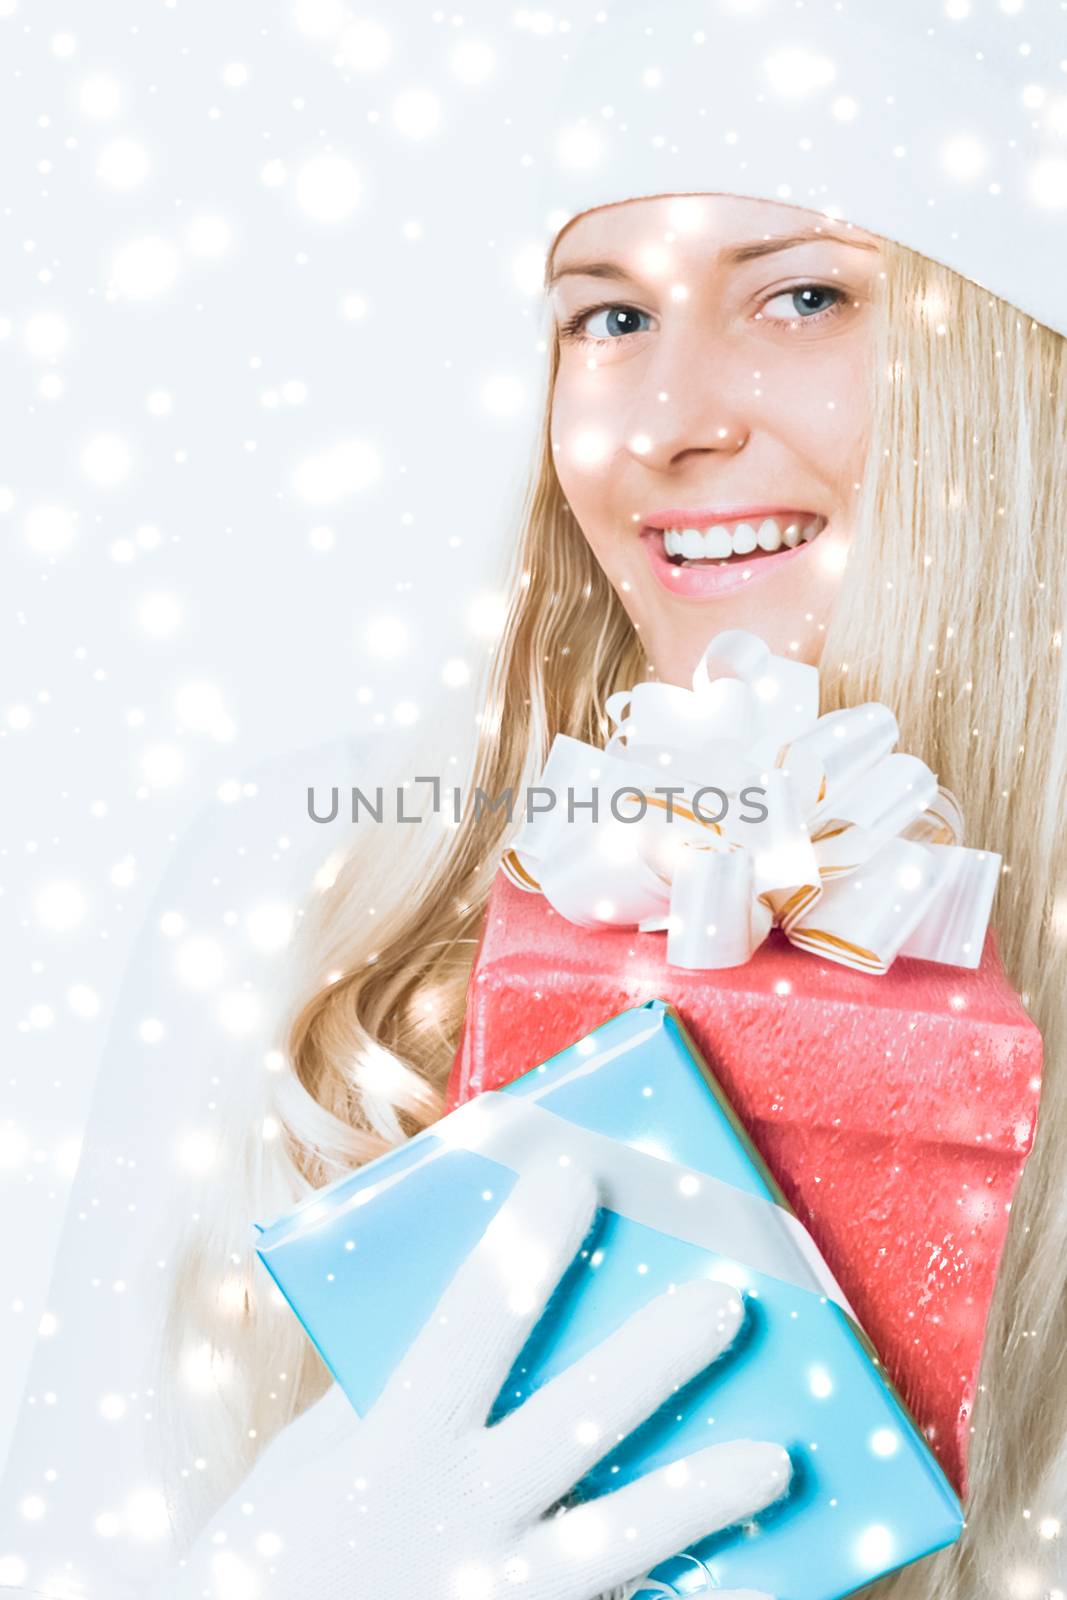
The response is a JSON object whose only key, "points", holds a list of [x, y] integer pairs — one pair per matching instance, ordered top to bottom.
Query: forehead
{"points": [[704, 221]]}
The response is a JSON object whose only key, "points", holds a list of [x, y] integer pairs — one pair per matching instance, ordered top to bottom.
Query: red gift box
{"points": [[896, 1111]]}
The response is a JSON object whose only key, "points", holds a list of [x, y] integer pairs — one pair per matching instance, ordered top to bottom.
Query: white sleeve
{"points": [[84, 1450], [81, 1505], [231, 1551]]}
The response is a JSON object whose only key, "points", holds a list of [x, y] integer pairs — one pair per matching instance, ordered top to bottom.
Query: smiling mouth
{"points": [[723, 542]]}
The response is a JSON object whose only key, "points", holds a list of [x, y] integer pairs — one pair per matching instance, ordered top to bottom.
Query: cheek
{"points": [[821, 413], [585, 445]]}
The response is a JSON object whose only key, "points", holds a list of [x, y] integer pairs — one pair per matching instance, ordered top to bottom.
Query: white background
{"points": [[271, 353]]}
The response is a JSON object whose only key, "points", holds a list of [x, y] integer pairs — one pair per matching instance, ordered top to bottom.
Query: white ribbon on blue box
{"points": [[363, 1261]]}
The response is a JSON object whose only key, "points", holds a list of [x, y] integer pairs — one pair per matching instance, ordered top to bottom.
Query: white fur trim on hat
{"points": [[941, 124]]}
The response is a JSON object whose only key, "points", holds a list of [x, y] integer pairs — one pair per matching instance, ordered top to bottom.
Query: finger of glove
{"points": [[454, 1369], [556, 1435], [607, 1541]]}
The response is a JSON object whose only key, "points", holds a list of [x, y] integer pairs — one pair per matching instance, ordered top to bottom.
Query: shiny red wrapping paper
{"points": [[895, 1111]]}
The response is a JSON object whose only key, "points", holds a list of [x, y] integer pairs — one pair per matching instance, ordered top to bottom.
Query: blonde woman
{"points": [[875, 430], [880, 440]]}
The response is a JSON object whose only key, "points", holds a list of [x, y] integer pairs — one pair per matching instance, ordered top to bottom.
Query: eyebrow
{"points": [[734, 256]]}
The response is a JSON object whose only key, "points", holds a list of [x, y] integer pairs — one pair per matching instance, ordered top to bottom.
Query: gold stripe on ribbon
{"points": [[678, 811], [830, 833], [946, 833], [515, 871], [797, 903], [715, 913], [818, 940]]}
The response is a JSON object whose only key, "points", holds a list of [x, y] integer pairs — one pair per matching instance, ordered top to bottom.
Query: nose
{"points": [[690, 402]]}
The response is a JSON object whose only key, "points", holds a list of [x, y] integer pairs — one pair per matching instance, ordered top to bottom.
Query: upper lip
{"points": [[681, 517]]}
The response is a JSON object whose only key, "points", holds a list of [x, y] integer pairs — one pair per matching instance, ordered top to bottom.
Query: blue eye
{"points": [[806, 302], [618, 320]]}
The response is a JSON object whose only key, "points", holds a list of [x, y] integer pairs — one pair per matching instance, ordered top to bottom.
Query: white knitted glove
{"points": [[421, 1499]]}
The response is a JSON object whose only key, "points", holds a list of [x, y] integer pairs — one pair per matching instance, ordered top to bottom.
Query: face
{"points": [[710, 413]]}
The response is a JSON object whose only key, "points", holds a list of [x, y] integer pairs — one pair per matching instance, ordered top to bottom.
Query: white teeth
{"points": [[740, 539]]}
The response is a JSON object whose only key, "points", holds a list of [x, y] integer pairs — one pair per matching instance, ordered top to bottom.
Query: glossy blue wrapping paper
{"points": [[363, 1274]]}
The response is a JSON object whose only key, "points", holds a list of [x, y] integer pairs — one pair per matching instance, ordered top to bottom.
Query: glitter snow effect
{"points": [[274, 349], [231, 375]]}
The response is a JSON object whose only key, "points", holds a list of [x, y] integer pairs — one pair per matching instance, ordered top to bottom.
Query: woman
{"points": [[832, 403], [897, 430]]}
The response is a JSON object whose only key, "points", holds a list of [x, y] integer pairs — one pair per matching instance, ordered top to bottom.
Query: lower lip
{"points": [[736, 572]]}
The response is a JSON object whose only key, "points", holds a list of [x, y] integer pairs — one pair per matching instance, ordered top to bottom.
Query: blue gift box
{"points": [[363, 1262]]}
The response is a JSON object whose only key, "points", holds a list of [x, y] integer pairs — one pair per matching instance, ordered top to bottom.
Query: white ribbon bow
{"points": [[857, 858]]}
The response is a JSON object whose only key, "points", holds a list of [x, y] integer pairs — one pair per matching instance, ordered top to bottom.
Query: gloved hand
{"points": [[420, 1500]]}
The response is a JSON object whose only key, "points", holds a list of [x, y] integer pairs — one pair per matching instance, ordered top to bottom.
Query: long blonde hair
{"points": [[950, 611]]}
